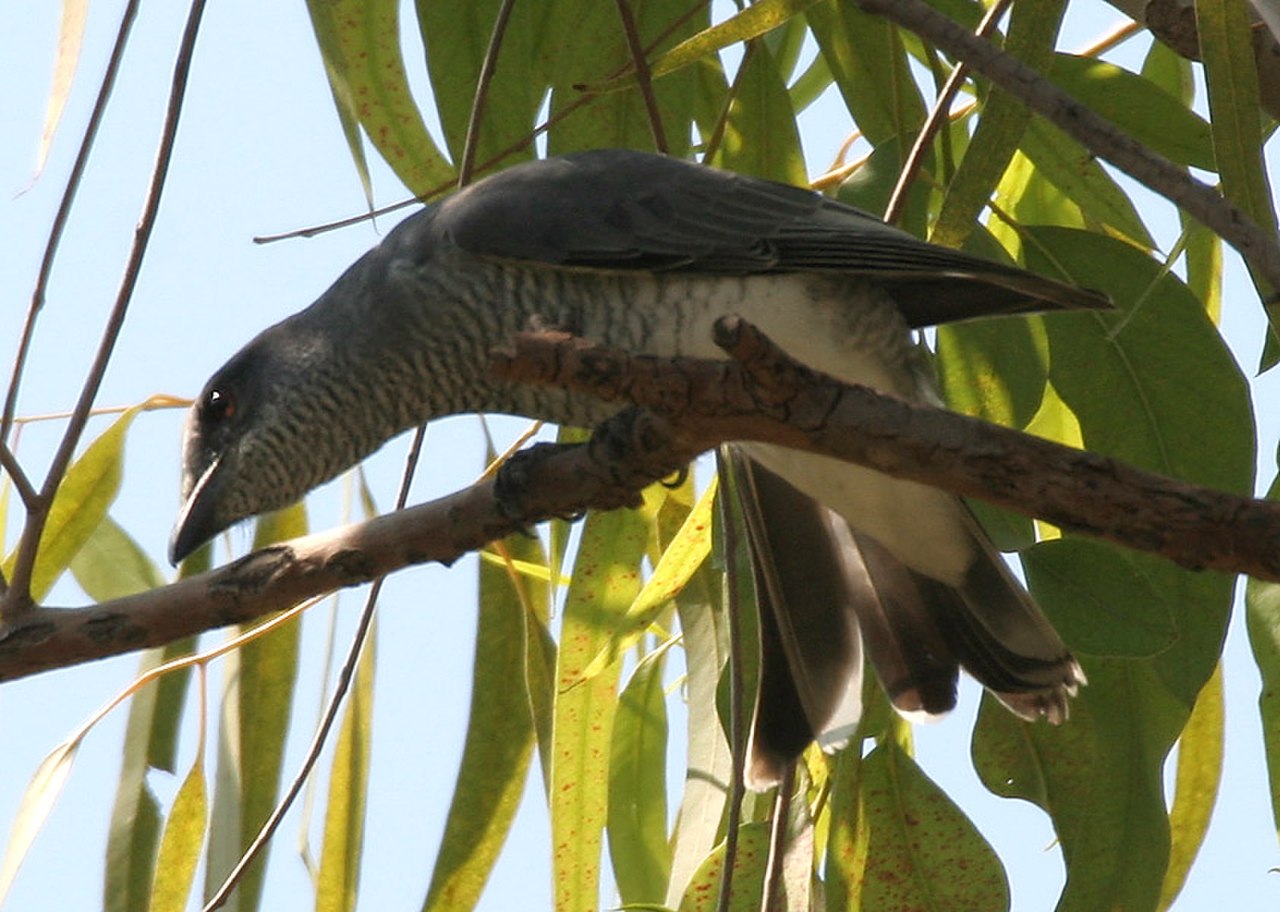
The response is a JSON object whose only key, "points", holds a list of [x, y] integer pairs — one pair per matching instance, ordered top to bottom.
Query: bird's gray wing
{"points": [[616, 210]]}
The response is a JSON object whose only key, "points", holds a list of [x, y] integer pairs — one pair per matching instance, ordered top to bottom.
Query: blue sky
{"points": [[260, 151]]}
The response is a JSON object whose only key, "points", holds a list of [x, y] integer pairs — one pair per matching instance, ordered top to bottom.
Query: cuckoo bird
{"points": [[645, 252]]}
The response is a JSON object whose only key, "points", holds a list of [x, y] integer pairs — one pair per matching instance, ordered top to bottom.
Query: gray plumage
{"points": [[645, 252]]}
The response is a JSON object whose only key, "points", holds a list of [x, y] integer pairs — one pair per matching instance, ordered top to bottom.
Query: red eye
{"points": [[217, 405]]}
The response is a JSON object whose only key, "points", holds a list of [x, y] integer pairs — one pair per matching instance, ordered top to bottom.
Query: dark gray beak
{"points": [[198, 521]]}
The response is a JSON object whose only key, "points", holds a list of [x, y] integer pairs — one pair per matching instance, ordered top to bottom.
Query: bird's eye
{"points": [[217, 405]]}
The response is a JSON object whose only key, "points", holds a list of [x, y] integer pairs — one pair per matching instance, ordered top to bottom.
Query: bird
{"points": [[645, 252]]}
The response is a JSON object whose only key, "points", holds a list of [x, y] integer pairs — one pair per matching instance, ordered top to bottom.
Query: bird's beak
{"points": [[198, 521]]}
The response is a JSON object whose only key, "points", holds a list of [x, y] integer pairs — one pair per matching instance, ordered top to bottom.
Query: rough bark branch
{"points": [[682, 407]]}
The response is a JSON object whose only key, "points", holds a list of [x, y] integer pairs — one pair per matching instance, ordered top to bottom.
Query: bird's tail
{"points": [[826, 593]]}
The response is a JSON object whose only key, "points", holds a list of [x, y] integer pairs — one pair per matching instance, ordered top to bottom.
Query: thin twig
{"points": [[643, 77], [483, 81], [937, 117], [1098, 135], [712, 144], [64, 213], [9, 462], [19, 592], [341, 686], [771, 896]]}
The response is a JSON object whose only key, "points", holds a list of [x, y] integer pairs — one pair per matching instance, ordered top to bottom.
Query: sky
{"points": [[259, 151]]}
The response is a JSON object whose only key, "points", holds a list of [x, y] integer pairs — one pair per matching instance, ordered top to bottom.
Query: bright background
{"points": [[259, 151]]}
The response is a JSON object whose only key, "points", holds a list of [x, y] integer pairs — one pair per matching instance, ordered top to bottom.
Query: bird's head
{"points": [[271, 424]]}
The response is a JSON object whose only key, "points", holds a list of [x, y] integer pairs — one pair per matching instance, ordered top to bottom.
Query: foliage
{"points": [[1151, 383]]}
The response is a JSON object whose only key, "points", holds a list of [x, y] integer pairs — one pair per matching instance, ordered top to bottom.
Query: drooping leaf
{"points": [[70, 41], [360, 44], [870, 69], [1003, 120], [760, 135], [81, 503], [111, 565], [606, 578], [258, 704], [500, 733], [150, 743], [1200, 750], [37, 801], [637, 822], [180, 845], [917, 849], [750, 861], [338, 878]]}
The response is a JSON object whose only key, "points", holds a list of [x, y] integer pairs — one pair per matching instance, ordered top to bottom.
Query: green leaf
{"points": [[752, 22], [456, 39], [360, 43], [586, 45], [866, 59], [1139, 106], [1003, 120], [760, 135], [1076, 172], [81, 503], [680, 560], [111, 565], [606, 578], [1103, 601], [1262, 616], [258, 703], [499, 741], [150, 743], [709, 770], [1199, 773], [1100, 776], [344, 818], [637, 823], [180, 846], [912, 847], [750, 861]]}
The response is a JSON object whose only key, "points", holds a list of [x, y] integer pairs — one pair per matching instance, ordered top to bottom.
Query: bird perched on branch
{"points": [[644, 252]]}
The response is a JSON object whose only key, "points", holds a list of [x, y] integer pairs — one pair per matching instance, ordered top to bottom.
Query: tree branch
{"points": [[1098, 135], [686, 406]]}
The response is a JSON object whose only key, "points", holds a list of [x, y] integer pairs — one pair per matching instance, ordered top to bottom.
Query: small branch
{"points": [[644, 78], [483, 81], [937, 117], [1098, 135], [64, 213], [761, 395], [26, 491], [18, 596]]}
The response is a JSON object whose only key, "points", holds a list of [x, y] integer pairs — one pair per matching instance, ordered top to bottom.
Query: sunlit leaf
{"points": [[751, 22], [360, 44], [1003, 120], [86, 493], [679, 562], [606, 578], [499, 740], [1200, 751], [344, 816], [180, 845], [750, 861]]}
